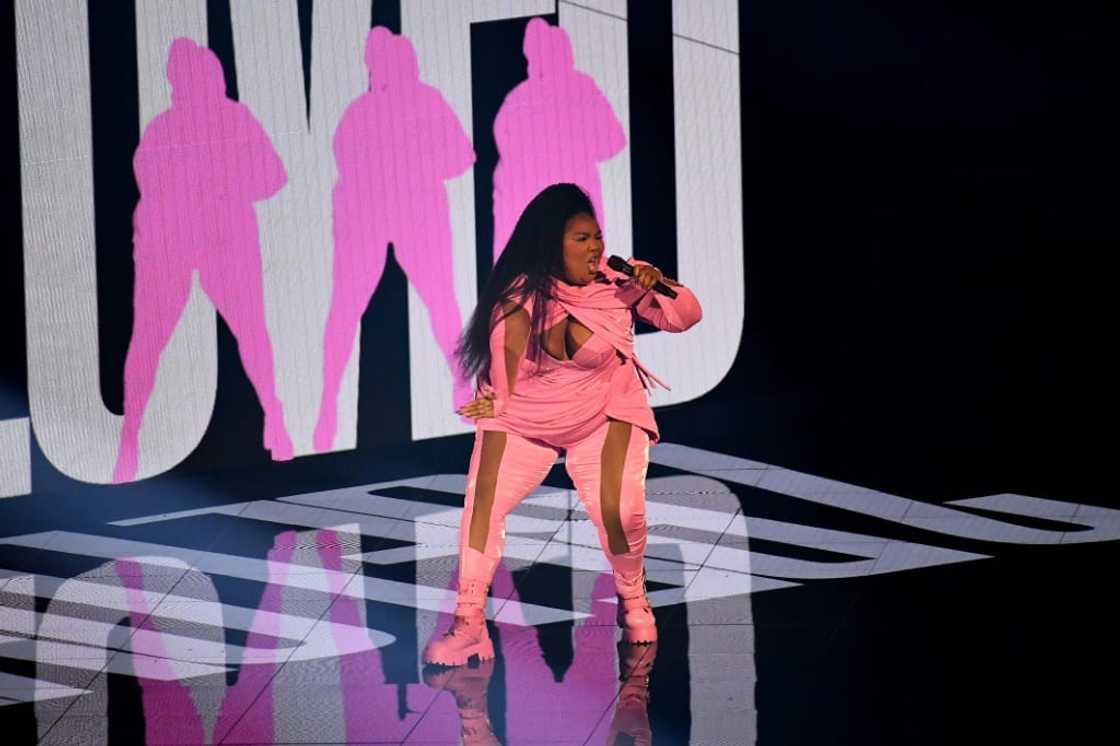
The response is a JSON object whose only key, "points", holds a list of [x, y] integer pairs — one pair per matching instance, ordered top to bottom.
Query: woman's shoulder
{"points": [[517, 295], [515, 300], [523, 302]]}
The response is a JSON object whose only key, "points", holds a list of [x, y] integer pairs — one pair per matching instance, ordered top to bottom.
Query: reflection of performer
{"points": [[555, 126], [395, 147], [200, 167], [552, 336], [468, 686], [533, 695], [181, 708], [631, 709], [630, 723]]}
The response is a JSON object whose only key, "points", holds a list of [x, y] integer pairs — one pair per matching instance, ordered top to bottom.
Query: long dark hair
{"points": [[532, 258]]}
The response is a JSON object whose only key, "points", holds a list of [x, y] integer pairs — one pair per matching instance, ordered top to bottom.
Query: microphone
{"points": [[618, 264]]}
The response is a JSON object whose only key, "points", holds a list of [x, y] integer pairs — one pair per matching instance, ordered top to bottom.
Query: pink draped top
{"points": [[561, 402]]}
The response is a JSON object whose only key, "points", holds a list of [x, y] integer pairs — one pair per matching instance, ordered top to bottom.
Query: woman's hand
{"points": [[648, 275], [478, 408]]}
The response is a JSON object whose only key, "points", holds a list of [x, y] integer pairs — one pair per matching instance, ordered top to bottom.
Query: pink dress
{"points": [[561, 402]]}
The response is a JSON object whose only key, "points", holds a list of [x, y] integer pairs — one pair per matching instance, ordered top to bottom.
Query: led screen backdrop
{"points": [[193, 162]]}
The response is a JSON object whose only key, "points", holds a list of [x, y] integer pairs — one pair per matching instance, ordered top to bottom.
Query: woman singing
{"points": [[552, 343]]}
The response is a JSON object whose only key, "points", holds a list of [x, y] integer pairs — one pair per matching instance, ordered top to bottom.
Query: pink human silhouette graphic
{"points": [[554, 127], [394, 147], [200, 166]]}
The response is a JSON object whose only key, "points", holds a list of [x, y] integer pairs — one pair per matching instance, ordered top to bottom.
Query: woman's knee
{"points": [[632, 511], [624, 521], [632, 521]]}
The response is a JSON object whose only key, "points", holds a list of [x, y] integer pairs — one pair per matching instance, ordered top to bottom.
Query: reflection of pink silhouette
{"points": [[554, 127], [395, 147], [200, 166], [153, 662], [536, 701], [364, 704], [247, 711], [173, 714]]}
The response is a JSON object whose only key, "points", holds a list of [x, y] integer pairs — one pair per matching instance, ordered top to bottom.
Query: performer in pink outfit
{"points": [[555, 126], [394, 147], [200, 166], [552, 339]]}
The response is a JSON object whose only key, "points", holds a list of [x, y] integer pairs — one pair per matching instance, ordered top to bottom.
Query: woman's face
{"points": [[583, 249]]}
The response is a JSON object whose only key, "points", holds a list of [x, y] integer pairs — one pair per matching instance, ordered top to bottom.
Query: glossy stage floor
{"points": [[288, 604]]}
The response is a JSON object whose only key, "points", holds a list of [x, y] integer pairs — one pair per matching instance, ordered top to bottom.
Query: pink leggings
{"points": [[608, 472]]}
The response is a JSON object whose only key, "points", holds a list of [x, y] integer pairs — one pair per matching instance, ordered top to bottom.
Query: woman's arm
{"points": [[665, 313], [508, 341]]}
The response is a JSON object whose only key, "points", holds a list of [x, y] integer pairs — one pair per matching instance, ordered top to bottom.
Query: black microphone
{"points": [[618, 264]]}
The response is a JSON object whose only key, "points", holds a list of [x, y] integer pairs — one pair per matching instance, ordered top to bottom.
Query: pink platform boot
{"points": [[635, 616], [468, 635]]}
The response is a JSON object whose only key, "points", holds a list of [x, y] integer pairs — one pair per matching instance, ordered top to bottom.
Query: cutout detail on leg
{"points": [[493, 446], [612, 464]]}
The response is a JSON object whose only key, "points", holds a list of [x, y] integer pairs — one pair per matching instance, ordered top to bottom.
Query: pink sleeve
{"points": [[668, 314], [508, 340]]}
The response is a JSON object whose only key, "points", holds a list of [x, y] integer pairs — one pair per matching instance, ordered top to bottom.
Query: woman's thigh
{"points": [[504, 469], [609, 469]]}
